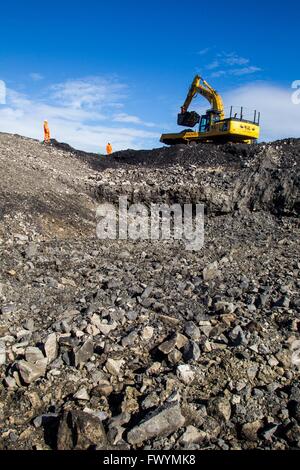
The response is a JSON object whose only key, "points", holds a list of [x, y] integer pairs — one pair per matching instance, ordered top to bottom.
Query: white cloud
{"points": [[203, 51], [233, 59], [231, 64], [213, 65], [245, 70], [236, 72], [219, 73], [36, 76], [2, 92], [89, 92], [16, 99], [80, 112], [123, 117], [127, 118], [280, 118]]}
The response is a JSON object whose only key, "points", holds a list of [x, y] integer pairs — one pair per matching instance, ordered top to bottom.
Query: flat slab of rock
{"points": [[51, 347], [162, 423]]}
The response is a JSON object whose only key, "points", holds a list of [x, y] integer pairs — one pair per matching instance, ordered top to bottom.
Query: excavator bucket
{"points": [[188, 119]]}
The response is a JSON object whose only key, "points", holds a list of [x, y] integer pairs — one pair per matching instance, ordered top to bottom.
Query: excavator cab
{"points": [[204, 123]]}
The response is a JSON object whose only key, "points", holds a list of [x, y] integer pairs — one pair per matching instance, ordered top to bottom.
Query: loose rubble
{"points": [[146, 345]]}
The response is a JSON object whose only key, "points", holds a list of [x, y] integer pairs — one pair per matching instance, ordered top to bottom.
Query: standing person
{"points": [[46, 132], [109, 149]]}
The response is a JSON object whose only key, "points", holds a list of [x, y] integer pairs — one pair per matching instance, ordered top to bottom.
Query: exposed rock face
{"points": [[224, 178], [120, 344]]}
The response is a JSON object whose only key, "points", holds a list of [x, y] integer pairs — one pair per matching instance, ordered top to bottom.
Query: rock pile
{"points": [[126, 345]]}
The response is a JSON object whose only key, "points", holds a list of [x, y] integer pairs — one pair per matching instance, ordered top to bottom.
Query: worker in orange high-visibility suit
{"points": [[46, 132], [109, 149]]}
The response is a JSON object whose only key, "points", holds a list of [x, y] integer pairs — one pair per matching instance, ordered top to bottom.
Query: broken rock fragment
{"points": [[211, 272], [51, 347], [83, 353], [33, 354], [114, 366], [30, 372], [186, 374], [221, 407], [163, 422], [81, 431], [192, 436]]}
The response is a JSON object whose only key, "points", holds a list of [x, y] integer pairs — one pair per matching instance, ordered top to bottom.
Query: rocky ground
{"points": [[127, 345]]}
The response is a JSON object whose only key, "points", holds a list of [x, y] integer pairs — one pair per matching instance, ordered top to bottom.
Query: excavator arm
{"points": [[201, 87]]}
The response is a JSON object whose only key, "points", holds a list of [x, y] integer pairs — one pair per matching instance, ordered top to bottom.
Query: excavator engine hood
{"points": [[188, 119]]}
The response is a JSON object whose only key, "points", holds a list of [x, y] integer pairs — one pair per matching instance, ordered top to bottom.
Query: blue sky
{"points": [[119, 71]]}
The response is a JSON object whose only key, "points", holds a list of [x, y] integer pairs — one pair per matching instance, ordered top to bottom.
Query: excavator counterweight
{"points": [[213, 126]]}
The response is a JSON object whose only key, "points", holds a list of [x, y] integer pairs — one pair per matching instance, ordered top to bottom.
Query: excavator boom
{"points": [[201, 87]]}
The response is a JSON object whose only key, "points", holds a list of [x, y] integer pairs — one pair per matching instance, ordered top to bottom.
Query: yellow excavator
{"points": [[214, 127]]}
